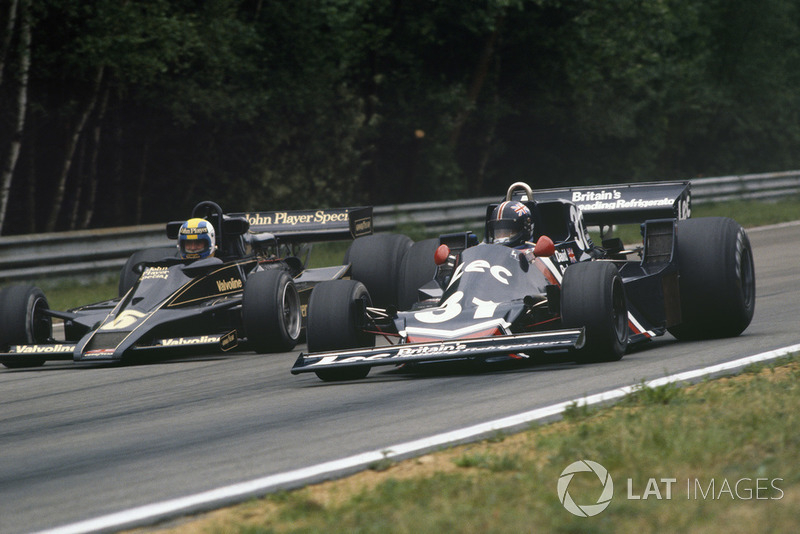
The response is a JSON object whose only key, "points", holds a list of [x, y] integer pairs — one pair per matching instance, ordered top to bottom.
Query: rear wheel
{"points": [[376, 261], [417, 269], [128, 277], [717, 279], [592, 296], [271, 313], [23, 321], [333, 324]]}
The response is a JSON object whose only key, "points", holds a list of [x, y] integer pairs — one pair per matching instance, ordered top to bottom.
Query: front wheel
{"points": [[717, 279], [592, 296], [271, 313], [23, 321], [333, 323]]}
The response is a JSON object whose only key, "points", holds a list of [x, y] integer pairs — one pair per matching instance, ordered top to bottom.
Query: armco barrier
{"points": [[83, 252]]}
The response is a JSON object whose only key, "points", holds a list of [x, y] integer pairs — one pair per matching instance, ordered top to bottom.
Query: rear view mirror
{"points": [[544, 247]]}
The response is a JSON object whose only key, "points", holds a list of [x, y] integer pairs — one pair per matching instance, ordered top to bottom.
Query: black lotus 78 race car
{"points": [[251, 294], [559, 294]]}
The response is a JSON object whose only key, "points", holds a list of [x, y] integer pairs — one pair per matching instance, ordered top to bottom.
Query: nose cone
{"points": [[455, 319]]}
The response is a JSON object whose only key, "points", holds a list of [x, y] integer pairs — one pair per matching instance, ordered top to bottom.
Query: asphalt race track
{"points": [[78, 443]]}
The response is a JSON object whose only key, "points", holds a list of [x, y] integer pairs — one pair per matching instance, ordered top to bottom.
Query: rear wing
{"points": [[625, 203], [304, 226]]}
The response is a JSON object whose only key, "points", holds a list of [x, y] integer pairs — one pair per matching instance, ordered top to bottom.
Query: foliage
{"points": [[342, 102]]}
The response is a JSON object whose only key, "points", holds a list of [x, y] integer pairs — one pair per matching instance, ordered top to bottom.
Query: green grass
{"points": [[748, 213], [751, 213], [325, 254], [66, 294], [719, 431], [489, 461]]}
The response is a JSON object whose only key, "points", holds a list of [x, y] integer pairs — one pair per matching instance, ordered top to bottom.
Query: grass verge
{"points": [[748, 213], [66, 294], [727, 450]]}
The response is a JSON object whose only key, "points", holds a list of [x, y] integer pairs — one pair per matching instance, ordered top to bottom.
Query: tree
{"points": [[6, 44], [262, 105], [10, 162]]}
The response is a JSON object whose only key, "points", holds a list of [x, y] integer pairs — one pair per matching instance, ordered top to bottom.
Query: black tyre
{"points": [[376, 261], [417, 269], [128, 277], [717, 279], [593, 296], [271, 313], [23, 322], [333, 324]]}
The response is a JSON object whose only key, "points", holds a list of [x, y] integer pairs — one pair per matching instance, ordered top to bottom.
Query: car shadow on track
{"points": [[69, 365]]}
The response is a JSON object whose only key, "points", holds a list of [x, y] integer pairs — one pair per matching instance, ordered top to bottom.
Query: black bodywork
{"points": [[491, 301], [175, 306]]}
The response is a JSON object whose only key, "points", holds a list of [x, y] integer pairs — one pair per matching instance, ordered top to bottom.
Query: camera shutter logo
{"points": [[585, 510]]}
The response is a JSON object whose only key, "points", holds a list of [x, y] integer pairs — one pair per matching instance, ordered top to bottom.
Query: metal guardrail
{"points": [[766, 186], [84, 252]]}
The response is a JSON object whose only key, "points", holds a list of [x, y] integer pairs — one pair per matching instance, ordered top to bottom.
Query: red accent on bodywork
{"points": [[546, 272], [554, 319], [636, 330], [483, 333]]}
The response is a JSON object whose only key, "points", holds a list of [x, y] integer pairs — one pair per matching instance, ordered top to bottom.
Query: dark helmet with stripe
{"points": [[511, 224]]}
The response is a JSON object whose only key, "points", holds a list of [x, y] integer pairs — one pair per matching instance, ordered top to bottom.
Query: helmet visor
{"points": [[504, 230], [195, 246]]}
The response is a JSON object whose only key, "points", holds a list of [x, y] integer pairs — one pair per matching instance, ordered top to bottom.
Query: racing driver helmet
{"points": [[511, 224], [196, 239]]}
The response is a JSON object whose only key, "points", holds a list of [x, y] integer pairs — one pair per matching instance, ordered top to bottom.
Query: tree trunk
{"points": [[12, 21], [478, 80], [22, 106], [73, 143], [116, 176], [140, 184], [92, 185], [476, 188], [30, 192], [76, 201]]}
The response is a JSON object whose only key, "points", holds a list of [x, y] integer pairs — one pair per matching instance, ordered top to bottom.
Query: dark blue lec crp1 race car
{"points": [[250, 294], [453, 298]]}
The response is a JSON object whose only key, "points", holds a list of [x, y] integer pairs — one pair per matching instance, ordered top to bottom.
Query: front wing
{"points": [[66, 350], [440, 351]]}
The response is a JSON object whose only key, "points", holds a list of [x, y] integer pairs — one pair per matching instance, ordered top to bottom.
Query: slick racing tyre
{"points": [[376, 261], [417, 269], [128, 276], [717, 279], [592, 296], [271, 313], [23, 322], [333, 324]]}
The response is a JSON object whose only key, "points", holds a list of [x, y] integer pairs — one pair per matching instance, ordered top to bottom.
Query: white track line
{"points": [[216, 498]]}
